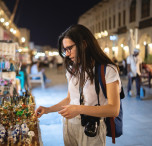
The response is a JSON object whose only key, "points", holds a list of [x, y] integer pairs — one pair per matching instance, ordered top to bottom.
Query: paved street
{"points": [[137, 114]]}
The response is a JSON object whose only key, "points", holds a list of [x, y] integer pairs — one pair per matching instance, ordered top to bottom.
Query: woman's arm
{"points": [[58, 106], [45, 110], [109, 110]]}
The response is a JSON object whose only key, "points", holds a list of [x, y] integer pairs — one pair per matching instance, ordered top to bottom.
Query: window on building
{"points": [[145, 8], [133, 11], [124, 17], [119, 19], [114, 21], [109, 22], [106, 24], [102, 25], [99, 27], [96, 28]]}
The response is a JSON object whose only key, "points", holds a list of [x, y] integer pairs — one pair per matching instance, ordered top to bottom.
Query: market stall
{"points": [[18, 123]]}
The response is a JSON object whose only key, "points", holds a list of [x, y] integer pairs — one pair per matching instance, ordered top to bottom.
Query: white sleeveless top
{"points": [[90, 96]]}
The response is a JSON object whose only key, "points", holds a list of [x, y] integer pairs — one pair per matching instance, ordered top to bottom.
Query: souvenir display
{"points": [[18, 123]]}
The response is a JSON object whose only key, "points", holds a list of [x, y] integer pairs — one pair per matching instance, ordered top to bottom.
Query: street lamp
{"points": [[23, 39], [145, 43], [122, 45], [137, 46]]}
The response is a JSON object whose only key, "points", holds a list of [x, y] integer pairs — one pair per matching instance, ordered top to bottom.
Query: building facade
{"points": [[120, 26]]}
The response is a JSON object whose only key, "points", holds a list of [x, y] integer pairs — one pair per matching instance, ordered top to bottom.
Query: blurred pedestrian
{"points": [[82, 55], [115, 60], [59, 63], [124, 64], [134, 66], [35, 69]]}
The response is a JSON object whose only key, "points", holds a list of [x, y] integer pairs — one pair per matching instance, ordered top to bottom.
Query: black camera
{"points": [[91, 125]]}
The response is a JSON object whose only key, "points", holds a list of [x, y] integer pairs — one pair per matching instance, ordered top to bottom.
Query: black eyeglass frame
{"points": [[68, 49]]}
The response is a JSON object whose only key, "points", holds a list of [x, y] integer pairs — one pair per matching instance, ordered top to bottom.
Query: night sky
{"points": [[47, 19]]}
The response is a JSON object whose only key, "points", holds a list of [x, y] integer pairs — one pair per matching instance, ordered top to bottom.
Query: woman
{"points": [[81, 52]]}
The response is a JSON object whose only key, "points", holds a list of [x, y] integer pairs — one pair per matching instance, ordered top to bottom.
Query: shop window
{"points": [[145, 8], [133, 11]]}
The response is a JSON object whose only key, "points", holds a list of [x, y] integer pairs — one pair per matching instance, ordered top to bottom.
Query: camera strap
{"points": [[97, 82], [81, 95]]}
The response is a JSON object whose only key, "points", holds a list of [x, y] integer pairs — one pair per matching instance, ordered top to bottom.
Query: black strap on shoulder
{"points": [[97, 82], [81, 99]]}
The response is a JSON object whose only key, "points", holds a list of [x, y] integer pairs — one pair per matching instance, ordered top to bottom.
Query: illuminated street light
{"points": [[2, 20], [7, 23], [11, 29], [14, 31], [105, 33], [101, 34], [23, 39], [150, 45], [137, 46], [126, 48], [114, 49], [19, 50], [106, 50], [53, 53]]}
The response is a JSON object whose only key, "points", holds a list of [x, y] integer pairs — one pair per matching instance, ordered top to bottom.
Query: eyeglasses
{"points": [[68, 49]]}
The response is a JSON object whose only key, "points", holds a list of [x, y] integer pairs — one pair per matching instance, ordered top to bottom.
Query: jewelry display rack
{"points": [[18, 123]]}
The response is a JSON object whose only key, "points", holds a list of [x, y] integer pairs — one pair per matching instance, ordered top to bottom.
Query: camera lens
{"points": [[91, 129]]}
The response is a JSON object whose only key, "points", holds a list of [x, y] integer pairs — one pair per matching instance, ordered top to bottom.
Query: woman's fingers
{"points": [[63, 110], [39, 112], [39, 115]]}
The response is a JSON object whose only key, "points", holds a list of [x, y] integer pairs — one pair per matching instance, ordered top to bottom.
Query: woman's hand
{"points": [[40, 111], [70, 111]]}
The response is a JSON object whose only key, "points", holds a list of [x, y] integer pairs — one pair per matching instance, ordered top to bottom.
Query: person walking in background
{"points": [[82, 55], [115, 60], [59, 63], [124, 64], [134, 66], [35, 69]]}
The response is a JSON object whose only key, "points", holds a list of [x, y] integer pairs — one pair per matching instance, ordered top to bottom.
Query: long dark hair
{"points": [[87, 56]]}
